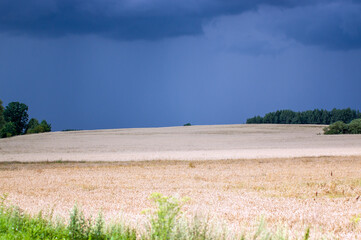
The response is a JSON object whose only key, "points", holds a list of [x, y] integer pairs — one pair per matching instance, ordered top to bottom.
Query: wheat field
{"points": [[290, 175]]}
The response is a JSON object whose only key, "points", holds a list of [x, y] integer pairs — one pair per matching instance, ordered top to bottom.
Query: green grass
{"points": [[165, 222]]}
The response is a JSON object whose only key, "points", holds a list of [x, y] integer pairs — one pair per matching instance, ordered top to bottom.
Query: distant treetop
{"points": [[316, 116]]}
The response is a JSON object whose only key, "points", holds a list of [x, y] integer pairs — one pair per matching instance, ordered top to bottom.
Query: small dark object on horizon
{"points": [[187, 124]]}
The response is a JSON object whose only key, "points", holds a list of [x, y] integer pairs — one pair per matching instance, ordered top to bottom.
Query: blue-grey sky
{"points": [[90, 64]]}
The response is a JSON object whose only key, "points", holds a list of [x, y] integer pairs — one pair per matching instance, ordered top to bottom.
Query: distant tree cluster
{"points": [[307, 117], [14, 121]]}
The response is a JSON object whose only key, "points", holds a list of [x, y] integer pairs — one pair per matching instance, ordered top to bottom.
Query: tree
{"points": [[18, 114], [286, 116], [325, 117], [269, 118], [255, 119], [258, 119], [2, 120], [33, 123], [46, 126], [35, 127], [38, 129], [8, 130]]}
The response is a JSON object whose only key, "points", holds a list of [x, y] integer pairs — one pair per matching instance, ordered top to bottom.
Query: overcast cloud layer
{"points": [[330, 24]]}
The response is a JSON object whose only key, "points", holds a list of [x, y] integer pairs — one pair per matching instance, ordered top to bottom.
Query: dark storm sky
{"points": [[90, 64]]}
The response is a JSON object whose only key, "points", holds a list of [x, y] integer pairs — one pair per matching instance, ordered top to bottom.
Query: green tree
{"points": [[18, 114], [286, 116], [316, 116], [325, 117], [270, 118], [255, 119], [258, 119], [296, 119], [2, 120], [33, 123], [46, 126], [35, 127], [354, 127], [8, 130]]}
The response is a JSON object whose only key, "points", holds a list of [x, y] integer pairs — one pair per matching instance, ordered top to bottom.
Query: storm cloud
{"points": [[121, 19], [269, 29]]}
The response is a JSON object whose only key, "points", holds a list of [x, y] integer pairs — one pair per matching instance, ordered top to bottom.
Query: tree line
{"points": [[316, 116], [14, 120]]}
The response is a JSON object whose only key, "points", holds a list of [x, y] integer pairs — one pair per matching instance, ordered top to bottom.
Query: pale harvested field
{"points": [[180, 143], [297, 184]]}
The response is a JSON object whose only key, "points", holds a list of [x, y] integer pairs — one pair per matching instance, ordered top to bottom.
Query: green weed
{"points": [[165, 222]]}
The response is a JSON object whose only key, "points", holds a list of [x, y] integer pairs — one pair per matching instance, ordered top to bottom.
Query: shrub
{"points": [[187, 124], [338, 127], [354, 127], [8, 130]]}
